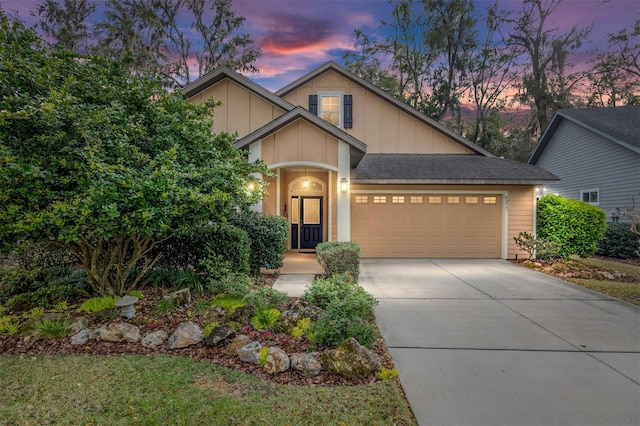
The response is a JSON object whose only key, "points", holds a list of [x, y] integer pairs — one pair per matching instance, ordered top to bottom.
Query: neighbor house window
{"points": [[333, 107], [591, 196]]}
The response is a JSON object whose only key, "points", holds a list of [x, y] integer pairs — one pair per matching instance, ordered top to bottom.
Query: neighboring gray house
{"points": [[596, 154]]}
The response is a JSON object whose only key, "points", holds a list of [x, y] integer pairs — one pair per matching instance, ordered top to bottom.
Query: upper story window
{"points": [[333, 107], [591, 196]]}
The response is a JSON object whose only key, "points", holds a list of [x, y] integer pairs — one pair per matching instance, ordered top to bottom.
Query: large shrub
{"points": [[575, 226], [268, 235], [619, 241], [213, 250], [339, 257], [25, 288], [347, 311]]}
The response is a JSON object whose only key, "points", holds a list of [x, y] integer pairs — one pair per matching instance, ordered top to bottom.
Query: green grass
{"points": [[627, 291], [162, 389]]}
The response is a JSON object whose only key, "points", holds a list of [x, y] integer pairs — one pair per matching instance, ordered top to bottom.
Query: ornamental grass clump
{"points": [[98, 304], [265, 319], [53, 329]]}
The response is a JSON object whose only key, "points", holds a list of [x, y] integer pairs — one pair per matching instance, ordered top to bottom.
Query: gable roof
{"points": [[332, 66], [223, 72], [620, 125], [357, 147], [447, 169]]}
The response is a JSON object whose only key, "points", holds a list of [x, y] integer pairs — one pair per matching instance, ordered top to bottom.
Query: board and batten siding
{"points": [[381, 125], [584, 160]]}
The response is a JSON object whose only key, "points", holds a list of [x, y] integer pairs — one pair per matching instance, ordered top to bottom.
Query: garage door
{"points": [[442, 225]]}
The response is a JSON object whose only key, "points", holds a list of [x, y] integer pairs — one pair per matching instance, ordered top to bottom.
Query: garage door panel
{"points": [[441, 226]]}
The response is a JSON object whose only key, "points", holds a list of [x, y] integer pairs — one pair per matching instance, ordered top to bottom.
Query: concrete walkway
{"points": [[486, 342]]}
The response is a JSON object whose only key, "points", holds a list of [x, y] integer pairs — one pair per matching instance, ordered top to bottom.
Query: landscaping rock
{"points": [[181, 297], [298, 310], [240, 315], [78, 324], [119, 332], [94, 334], [185, 334], [220, 336], [81, 337], [154, 339], [238, 342], [250, 352], [351, 360], [277, 361], [306, 364]]}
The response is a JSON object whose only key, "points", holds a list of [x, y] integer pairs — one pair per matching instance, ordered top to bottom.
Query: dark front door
{"points": [[310, 222]]}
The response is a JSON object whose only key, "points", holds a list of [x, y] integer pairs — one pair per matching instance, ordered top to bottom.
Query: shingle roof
{"points": [[620, 125], [446, 169]]}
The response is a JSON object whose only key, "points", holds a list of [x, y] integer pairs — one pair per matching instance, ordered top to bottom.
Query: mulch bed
{"points": [[148, 322]]}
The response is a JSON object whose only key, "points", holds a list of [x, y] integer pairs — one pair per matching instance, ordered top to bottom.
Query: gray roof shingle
{"points": [[446, 169]]}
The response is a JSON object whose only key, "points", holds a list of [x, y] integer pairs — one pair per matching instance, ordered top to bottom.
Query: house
{"points": [[596, 154], [352, 163]]}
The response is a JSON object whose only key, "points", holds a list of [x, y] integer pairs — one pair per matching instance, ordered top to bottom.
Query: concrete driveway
{"points": [[486, 342]]}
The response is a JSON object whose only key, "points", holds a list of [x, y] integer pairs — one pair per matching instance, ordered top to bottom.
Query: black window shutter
{"points": [[313, 104], [348, 112]]}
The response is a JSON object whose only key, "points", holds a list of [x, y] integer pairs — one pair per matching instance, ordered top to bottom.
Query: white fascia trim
{"points": [[255, 153], [303, 163], [343, 199]]}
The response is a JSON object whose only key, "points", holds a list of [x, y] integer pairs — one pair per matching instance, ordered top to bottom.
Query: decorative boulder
{"points": [[181, 297], [241, 314], [78, 324], [119, 332], [185, 334], [220, 336], [81, 337], [154, 339], [238, 342], [250, 353], [351, 360], [277, 361], [306, 364]]}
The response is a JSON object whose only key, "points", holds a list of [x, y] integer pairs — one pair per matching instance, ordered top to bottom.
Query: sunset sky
{"points": [[296, 36]]}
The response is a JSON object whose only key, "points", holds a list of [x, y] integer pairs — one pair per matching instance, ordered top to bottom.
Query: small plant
{"points": [[538, 247], [159, 277], [190, 280], [237, 285], [136, 293], [266, 297], [227, 302], [98, 304], [202, 305], [164, 306], [60, 307], [33, 313], [265, 319], [10, 325], [302, 327], [209, 328], [53, 329], [264, 351], [386, 374]]}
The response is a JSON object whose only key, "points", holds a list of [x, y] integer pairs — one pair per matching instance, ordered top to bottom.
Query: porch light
{"points": [[344, 185], [251, 186]]}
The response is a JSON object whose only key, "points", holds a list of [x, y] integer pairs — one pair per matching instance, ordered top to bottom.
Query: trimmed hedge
{"points": [[575, 226], [268, 236], [619, 241], [213, 250], [339, 258]]}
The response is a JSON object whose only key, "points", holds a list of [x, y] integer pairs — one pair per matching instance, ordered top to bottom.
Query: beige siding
{"points": [[241, 110], [381, 125], [300, 141], [521, 216]]}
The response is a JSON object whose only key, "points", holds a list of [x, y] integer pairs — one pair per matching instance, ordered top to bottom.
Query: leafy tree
{"points": [[66, 22], [615, 78], [545, 86], [104, 163]]}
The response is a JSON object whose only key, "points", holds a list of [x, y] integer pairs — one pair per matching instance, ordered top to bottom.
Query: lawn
{"points": [[613, 278], [164, 389]]}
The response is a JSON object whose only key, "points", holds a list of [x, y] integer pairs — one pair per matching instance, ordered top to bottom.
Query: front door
{"points": [[310, 222]]}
